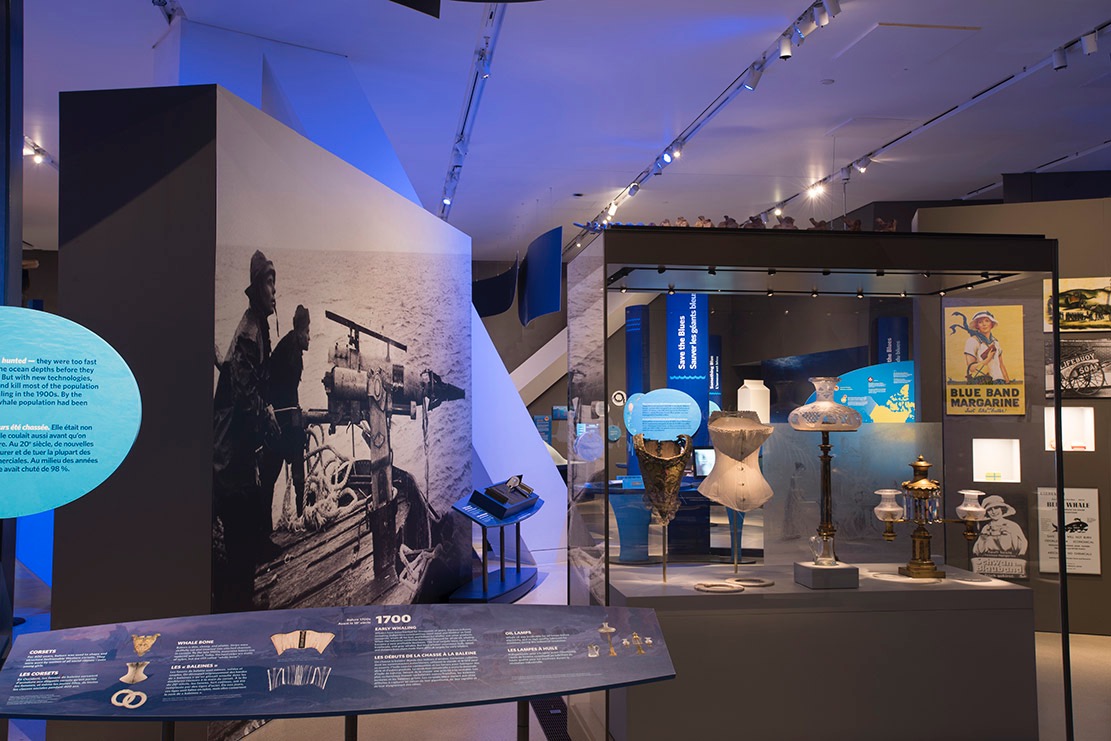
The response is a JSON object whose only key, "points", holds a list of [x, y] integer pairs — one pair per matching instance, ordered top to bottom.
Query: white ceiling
{"points": [[586, 93]]}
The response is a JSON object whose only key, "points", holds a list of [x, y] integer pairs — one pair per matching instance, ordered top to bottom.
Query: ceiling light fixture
{"points": [[832, 7], [821, 17], [1089, 43], [785, 50], [1060, 59], [755, 72], [676, 150], [37, 158], [861, 164], [845, 173], [634, 188], [816, 190], [446, 201], [612, 209], [778, 211], [661, 269], [712, 270], [624, 289], [670, 289], [771, 292], [813, 293], [860, 293], [903, 293], [941, 293]]}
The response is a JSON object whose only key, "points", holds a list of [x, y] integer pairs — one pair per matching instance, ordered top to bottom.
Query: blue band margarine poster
{"points": [[984, 360], [882, 393], [69, 411]]}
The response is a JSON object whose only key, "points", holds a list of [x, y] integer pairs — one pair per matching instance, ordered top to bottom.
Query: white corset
{"points": [[736, 480], [298, 675]]}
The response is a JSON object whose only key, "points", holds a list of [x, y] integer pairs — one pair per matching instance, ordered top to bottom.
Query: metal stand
{"points": [[825, 527], [736, 542], [665, 554], [522, 720], [350, 728]]}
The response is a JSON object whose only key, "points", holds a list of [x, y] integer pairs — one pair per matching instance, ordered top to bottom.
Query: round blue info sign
{"points": [[69, 411]]}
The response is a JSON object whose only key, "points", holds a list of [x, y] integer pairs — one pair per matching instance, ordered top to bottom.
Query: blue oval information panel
{"points": [[69, 411], [663, 414]]}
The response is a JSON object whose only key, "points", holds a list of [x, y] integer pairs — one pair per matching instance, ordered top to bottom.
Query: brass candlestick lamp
{"points": [[922, 496]]}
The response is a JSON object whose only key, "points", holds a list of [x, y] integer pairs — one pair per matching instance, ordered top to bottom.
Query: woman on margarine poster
{"points": [[984, 360]]}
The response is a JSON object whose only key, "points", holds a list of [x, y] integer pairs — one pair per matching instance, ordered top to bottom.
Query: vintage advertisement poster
{"points": [[1084, 304], [984, 360], [1085, 368], [1081, 530], [1001, 548]]}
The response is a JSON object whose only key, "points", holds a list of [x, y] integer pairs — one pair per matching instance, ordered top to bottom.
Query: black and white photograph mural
{"points": [[342, 369], [341, 428]]}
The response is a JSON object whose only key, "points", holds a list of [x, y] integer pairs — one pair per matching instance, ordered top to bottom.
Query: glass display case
{"points": [[936, 350]]}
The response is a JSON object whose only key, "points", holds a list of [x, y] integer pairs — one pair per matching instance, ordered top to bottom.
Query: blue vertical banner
{"points": [[892, 339], [688, 352], [636, 368], [715, 369]]}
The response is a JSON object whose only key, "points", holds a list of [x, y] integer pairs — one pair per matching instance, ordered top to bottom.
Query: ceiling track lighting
{"points": [[832, 7], [821, 16], [1089, 43], [785, 50], [1060, 59], [755, 72], [676, 150], [861, 164], [845, 174], [634, 188], [612, 210], [777, 211], [661, 269], [712, 270], [624, 289], [670, 289], [771, 292], [814, 293], [860, 293], [903, 293], [941, 293]]}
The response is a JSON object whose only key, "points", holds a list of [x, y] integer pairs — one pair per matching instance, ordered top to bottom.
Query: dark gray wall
{"points": [[1025, 187], [137, 248]]}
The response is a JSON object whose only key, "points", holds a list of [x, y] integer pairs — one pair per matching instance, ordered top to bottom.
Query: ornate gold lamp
{"points": [[922, 506]]}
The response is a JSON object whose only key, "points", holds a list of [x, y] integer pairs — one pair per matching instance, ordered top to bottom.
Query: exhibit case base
{"points": [[836, 576], [734, 653]]}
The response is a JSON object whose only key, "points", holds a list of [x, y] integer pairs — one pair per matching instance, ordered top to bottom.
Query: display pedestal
{"points": [[838, 576], [505, 584], [849, 656]]}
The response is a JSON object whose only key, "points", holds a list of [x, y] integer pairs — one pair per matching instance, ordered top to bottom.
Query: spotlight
{"points": [[832, 7], [821, 17], [1089, 43], [785, 47], [1060, 61], [755, 72], [28, 150], [676, 150], [38, 158], [663, 160], [861, 164], [845, 173], [634, 188], [816, 190], [447, 201], [612, 209], [777, 212], [764, 217], [578, 244], [661, 270], [712, 270], [771, 271], [825, 271], [880, 272], [926, 274], [985, 275], [968, 287], [624, 289], [670, 289], [771, 292], [813, 293], [860, 293], [903, 293], [941, 293]]}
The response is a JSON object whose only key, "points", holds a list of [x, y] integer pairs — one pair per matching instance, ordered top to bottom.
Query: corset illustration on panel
{"points": [[662, 463], [736, 481], [135, 673]]}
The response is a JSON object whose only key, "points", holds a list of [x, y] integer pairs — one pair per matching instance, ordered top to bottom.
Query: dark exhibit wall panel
{"points": [[137, 242]]}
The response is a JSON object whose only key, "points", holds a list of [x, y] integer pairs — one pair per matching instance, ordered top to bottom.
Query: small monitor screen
{"points": [[703, 461]]}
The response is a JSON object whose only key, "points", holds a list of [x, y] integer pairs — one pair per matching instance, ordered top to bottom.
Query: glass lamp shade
{"points": [[824, 414], [970, 509], [889, 510]]}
